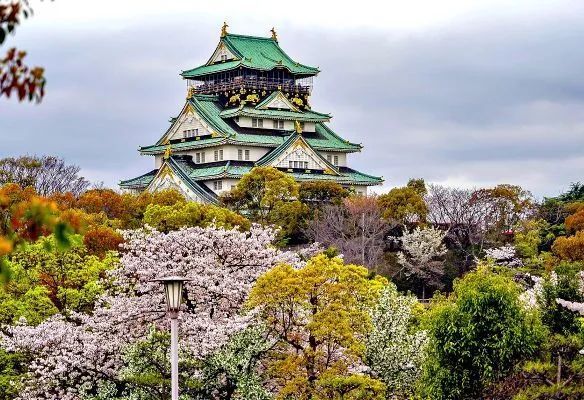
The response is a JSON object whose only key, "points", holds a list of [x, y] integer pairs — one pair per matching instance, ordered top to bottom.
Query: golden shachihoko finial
{"points": [[224, 29], [274, 34], [167, 152]]}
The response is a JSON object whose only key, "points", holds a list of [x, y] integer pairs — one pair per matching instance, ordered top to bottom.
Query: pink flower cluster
{"points": [[74, 354]]}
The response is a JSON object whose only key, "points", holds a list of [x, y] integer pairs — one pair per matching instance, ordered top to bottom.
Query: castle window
{"points": [[223, 57], [257, 123], [278, 124], [189, 133], [239, 154], [218, 155], [247, 155], [199, 157], [329, 158], [336, 161], [298, 164], [217, 185]]}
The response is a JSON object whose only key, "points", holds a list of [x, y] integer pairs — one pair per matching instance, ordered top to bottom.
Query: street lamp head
{"points": [[173, 286]]}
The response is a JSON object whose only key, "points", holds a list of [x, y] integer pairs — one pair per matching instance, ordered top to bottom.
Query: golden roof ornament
{"points": [[224, 29], [274, 34], [190, 92], [297, 127], [167, 152]]}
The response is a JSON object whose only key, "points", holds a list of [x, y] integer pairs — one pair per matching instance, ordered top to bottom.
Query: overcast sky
{"points": [[467, 93]]}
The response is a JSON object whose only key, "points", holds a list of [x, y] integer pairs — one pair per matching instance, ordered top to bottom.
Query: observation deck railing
{"points": [[285, 85]]}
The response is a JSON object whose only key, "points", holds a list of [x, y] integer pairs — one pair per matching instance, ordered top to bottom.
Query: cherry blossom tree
{"points": [[422, 249], [395, 351], [79, 355]]}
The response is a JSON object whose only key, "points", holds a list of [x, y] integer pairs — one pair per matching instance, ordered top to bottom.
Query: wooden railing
{"points": [[285, 85]]}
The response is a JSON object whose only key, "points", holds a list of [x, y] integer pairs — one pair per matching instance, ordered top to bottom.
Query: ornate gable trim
{"points": [[220, 50], [277, 100], [187, 115], [297, 153], [171, 176], [167, 179]]}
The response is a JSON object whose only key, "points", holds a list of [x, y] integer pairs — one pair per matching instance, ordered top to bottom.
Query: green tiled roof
{"points": [[253, 52], [210, 109], [305, 116], [326, 139], [221, 169], [236, 169], [193, 175], [348, 176], [139, 182]]}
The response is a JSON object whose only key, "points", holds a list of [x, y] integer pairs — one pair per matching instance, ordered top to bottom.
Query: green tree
{"points": [[260, 192], [319, 193], [268, 196], [405, 205], [24, 217], [168, 218], [47, 280], [563, 284], [318, 316], [477, 336], [12, 366], [229, 373]]}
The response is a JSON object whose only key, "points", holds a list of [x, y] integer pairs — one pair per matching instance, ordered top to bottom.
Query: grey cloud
{"points": [[480, 102]]}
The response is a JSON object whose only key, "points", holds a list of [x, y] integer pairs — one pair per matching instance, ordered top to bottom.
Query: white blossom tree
{"points": [[422, 248], [504, 255], [394, 351], [76, 356]]}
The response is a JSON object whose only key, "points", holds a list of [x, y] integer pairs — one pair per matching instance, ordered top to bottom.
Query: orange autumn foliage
{"points": [[103, 200], [64, 201], [575, 221], [101, 239], [570, 248]]}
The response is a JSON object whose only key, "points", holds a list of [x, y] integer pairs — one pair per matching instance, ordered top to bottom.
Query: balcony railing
{"points": [[285, 85]]}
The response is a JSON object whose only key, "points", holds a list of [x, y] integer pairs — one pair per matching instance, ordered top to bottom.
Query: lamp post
{"points": [[173, 286]]}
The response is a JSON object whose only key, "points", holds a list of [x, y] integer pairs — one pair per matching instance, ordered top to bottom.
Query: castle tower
{"points": [[247, 106]]}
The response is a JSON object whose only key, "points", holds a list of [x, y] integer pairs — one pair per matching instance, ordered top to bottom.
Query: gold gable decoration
{"points": [[224, 29], [274, 34], [190, 92], [297, 127], [167, 152]]}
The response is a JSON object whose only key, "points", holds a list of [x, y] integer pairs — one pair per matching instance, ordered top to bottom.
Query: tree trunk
{"points": [[311, 354], [559, 377]]}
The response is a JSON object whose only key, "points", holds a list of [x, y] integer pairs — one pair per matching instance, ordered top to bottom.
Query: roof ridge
{"points": [[249, 37], [333, 133], [195, 186]]}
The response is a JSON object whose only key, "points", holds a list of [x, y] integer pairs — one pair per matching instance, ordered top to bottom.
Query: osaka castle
{"points": [[247, 106]]}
